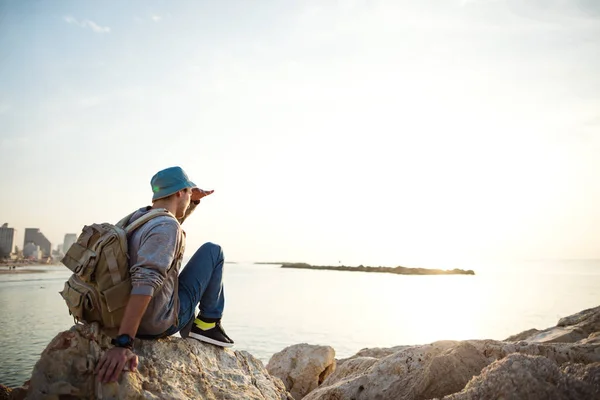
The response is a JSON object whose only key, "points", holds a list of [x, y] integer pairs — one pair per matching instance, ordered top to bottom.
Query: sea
{"points": [[269, 308]]}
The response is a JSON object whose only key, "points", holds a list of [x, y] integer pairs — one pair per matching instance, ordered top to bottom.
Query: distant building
{"points": [[33, 235], [70, 238], [7, 240], [32, 251], [57, 253]]}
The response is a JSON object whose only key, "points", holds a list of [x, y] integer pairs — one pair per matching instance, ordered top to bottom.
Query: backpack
{"points": [[99, 288]]}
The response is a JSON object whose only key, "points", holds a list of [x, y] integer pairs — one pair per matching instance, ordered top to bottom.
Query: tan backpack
{"points": [[99, 288]]}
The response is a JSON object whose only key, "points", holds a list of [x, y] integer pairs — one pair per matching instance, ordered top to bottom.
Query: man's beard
{"points": [[181, 210]]}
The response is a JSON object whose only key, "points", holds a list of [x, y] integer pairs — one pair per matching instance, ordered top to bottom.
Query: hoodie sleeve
{"points": [[154, 257]]}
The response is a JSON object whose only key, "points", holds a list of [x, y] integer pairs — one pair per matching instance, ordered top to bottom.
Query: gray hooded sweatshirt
{"points": [[155, 253]]}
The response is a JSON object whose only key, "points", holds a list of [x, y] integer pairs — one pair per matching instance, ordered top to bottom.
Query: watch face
{"points": [[123, 340]]}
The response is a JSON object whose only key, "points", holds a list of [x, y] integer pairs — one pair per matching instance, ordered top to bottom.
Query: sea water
{"points": [[268, 307]]}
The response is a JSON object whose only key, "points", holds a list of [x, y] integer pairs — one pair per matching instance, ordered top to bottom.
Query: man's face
{"points": [[184, 202]]}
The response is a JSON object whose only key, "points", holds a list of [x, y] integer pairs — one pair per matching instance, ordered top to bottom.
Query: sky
{"points": [[357, 132]]}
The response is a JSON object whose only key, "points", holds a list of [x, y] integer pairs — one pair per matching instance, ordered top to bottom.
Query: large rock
{"points": [[588, 320], [571, 329], [558, 335], [522, 336], [594, 338], [375, 352], [302, 367], [171, 368], [349, 369], [440, 369], [478, 369], [419, 372], [589, 374], [519, 376], [7, 393]]}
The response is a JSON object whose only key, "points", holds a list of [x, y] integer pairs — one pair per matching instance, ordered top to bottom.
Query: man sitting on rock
{"points": [[162, 301]]}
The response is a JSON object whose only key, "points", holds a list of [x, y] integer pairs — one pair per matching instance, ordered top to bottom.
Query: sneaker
{"points": [[215, 335]]}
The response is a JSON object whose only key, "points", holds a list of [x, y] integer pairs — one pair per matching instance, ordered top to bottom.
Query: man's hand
{"points": [[198, 193], [112, 363]]}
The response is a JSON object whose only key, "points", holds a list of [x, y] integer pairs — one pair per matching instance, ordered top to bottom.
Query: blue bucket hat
{"points": [[169, 181]]}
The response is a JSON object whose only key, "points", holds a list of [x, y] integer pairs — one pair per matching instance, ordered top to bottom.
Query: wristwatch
{"points": [[123, 340]]}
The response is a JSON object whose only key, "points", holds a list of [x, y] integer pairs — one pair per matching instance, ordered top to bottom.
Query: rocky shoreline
{"points": [[390, 270], [562, 362]]}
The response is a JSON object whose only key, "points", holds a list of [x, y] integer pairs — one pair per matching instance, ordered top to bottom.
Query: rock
{"points": [[588, 320], [569, 329], [558, 335], [522, 336], [594, 338], [376, 352], [561, 353], [302, 367], [172, 368], [350, 368], [438, 369], [511, 369], [419, 372], [589, 374], [519, 376], [4, 392], [7, 393]]}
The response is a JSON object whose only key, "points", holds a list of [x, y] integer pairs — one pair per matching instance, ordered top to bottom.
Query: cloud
{"points": [[152, 17], [86, 23]]}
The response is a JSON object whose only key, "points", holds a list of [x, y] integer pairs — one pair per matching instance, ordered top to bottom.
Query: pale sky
{"points": [[416, 133]]}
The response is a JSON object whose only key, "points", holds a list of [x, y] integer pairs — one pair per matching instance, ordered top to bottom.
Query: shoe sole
{"points": [[209, 340]]}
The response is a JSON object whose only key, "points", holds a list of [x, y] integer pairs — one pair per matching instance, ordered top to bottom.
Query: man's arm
{"points": [[197, 194], [134, 311], [113, 361]]}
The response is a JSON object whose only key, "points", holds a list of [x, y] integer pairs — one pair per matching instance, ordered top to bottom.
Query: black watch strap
{"points": [[123, 340]]}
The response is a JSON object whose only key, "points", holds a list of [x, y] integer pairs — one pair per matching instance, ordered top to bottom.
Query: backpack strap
{"points": [[145, 218], [123, 222]]}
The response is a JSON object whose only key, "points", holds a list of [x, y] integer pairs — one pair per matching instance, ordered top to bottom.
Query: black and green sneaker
{"points": [[210, 331]]}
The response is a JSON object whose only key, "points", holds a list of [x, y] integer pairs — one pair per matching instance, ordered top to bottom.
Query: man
{"points": [[162, 301]]}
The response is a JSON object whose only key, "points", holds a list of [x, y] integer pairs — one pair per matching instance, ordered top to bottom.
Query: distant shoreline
{"points": [[27, 263], [272, 263], [22, 266], [20, 270], [389, 270]]}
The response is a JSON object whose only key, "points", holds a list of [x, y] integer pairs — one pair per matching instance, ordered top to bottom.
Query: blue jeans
{"points": [[201, 281]]}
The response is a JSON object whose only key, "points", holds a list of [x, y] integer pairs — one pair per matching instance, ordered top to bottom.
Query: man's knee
{"points": [[211, 248]]}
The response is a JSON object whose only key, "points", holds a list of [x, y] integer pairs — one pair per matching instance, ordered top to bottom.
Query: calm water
{"points": [[269, 308]]}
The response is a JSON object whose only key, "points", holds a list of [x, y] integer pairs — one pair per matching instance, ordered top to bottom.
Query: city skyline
{"points": [[373, 132], [20, 241]]}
